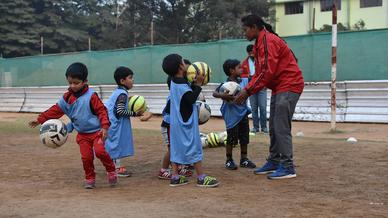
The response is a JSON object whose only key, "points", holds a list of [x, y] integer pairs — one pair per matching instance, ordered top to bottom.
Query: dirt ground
{"points": [[335, 178]]}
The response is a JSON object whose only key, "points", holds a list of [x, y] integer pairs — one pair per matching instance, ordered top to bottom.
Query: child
{"points": [[89, 117], [236, 118], [120, 141], [185, 144], [165, 172]]}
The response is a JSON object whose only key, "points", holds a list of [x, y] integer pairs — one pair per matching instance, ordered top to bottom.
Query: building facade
{"points": [[295, 17]]}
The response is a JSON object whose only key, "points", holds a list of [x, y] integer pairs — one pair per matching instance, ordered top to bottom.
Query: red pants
{"points": [[88, 141]]}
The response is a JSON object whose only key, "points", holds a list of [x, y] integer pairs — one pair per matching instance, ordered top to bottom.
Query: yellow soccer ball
{"points": [[197, 68], [137, 103], [213, 140]]}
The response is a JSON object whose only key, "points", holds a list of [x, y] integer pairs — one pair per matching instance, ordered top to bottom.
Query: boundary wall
{"points": [[357, 101]]}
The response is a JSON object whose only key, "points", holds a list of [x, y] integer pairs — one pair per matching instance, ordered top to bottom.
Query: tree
{"points": [[66, 25], [19, 32]]}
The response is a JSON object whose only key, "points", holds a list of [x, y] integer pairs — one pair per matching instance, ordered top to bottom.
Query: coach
{"points": [[276, 68]]}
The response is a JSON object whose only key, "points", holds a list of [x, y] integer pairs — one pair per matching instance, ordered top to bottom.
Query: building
{"points": [[295, 17]]}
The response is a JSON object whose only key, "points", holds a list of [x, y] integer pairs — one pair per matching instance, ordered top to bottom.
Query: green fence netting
{"points": [[361, 56]]}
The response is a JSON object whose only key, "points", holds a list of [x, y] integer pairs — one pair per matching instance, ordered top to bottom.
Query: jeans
{"points": [[259, 102], [281, 112]]}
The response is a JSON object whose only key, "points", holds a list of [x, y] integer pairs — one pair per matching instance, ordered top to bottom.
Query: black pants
{"points": [[281, 111], [239, 133]]}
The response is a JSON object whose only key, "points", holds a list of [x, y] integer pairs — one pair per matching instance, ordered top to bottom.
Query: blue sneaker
{"points": [[230, 165], [268, 167], [283, 172]]}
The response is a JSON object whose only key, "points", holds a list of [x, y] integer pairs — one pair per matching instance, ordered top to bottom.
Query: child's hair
{"points": [[254, 20], [249, 48], [187, 61], [171, 64], [230, 64], [78, 71], [122, 73], [169, 77]]}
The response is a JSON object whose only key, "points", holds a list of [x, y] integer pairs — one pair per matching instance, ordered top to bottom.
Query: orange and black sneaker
{"points": [[184, 171], [122, 172], [164, 174]]}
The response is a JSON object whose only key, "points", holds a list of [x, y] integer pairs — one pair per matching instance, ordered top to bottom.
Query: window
{"points": [[370, 3], [327, 5], [294, 7]]}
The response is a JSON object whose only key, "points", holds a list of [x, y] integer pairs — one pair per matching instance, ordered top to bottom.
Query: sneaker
{"points": [[253, 131], [265, 131], [246, 163], [230, 165], [190, 167], [268, 167], [184, 171], [122, 172], [283, 172], [166, 174], [112, 178], [181, 180], [208, 182], [90, 184]]}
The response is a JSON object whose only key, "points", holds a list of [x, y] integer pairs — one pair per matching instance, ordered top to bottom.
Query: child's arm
{"points": [[223, 96], [191, 97], [100, 110], [121, 110], [54, 112]]}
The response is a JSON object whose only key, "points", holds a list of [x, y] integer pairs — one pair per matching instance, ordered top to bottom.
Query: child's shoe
{"points": [[246, 163], [230, 165], [190, 167], [184, 171], [122, 172], [283, 172], [164, 174], [112, 178], [178, 181], [207, 182], [90, 184]]}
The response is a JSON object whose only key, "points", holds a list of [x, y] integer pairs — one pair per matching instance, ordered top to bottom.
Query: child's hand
{"points": [[199, 80], [227, 97], [241, 97], [139, 113], [33, 124], [104, 134]]}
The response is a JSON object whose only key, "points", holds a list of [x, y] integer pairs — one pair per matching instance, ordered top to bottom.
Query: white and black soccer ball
{"points": [[232, 88], [201, 97], [204, 112], [53, 133], [222, 136], [204, 141]]}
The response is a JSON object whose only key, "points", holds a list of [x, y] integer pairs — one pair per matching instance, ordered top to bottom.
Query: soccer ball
{"points": [[199, 68], [232, 88], [201, 97], [136, 103], [204, 112], [53, 133], [222, 137], [213, 140], [204, 141]]}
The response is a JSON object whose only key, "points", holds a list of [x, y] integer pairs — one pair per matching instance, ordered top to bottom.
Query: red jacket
{"points": [[276, 67], [245, 68], [98, 108]]}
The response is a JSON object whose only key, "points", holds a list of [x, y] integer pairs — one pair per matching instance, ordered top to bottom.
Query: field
{"points": [[335, 178]]}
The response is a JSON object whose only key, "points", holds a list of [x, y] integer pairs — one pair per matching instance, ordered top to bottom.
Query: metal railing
{"points": [[357, 101]]}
